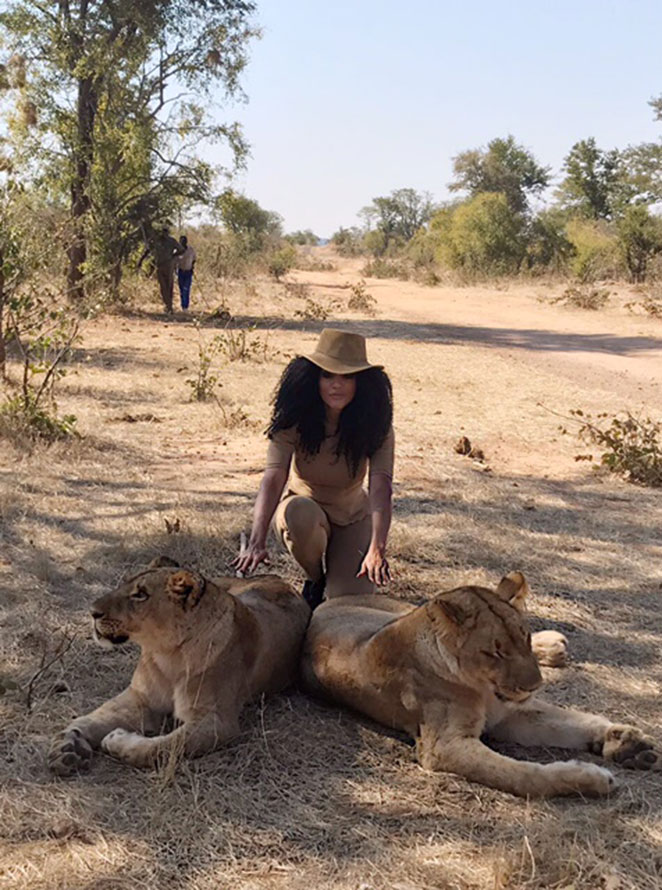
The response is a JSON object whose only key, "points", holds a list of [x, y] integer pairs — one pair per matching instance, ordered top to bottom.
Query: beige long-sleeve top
{"points": [[325, 477]]}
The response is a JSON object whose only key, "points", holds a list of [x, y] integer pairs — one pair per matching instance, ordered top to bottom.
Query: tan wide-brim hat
{"points": [[340, 352]]}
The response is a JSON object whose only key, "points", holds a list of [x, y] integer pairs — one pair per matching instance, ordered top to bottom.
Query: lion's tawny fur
{"points": [[207, 648], [453, 669]]}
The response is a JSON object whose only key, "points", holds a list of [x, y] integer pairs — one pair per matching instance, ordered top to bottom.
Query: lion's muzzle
{"points": [[106, 631], [107, 639]]}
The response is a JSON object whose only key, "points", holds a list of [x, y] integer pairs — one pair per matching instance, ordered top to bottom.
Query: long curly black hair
{"points": [[363, 425]]}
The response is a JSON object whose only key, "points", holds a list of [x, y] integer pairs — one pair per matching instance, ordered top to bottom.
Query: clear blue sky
{"points": [[350, 100]]}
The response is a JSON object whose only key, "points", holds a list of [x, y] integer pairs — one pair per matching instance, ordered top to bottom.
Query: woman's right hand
{"points": [[250, 559]]}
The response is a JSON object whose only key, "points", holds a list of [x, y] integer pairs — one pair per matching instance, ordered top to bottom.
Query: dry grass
{"points": [[310, 796]]}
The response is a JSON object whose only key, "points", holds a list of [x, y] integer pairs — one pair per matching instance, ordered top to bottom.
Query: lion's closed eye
{"points": [[140, 594], [495, 654]]}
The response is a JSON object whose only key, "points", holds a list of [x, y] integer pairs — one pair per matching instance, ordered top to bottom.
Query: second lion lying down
{"points": [[457, 667]]}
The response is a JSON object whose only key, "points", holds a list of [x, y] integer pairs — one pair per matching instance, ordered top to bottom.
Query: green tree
{"points": [[125, 83], [643, 164], [505, 167], [644, 171], [593, 182], [397, 217], [244, 218], [482, 236], [303, 237], [639, 239], [348, 242], [548, 246], [595, 253]]}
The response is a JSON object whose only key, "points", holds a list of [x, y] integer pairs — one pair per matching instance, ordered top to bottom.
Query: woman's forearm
{"points": [[268, 496], [380, 510]]}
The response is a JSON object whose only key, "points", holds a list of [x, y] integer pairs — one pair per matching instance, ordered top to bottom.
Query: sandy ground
{"points": [[309, 796]]}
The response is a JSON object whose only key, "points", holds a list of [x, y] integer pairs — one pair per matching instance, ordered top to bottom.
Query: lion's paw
{"points": [[550, 648], [119, 742], [629, 747], [70, 753], [589, 778]]}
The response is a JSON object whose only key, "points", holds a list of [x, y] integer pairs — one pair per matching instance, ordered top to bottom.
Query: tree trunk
{"points": [[80, 199]]}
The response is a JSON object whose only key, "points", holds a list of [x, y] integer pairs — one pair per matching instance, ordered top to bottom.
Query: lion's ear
{"points": [[162, 562], [185, 588], [513, 589], [450, 610]]}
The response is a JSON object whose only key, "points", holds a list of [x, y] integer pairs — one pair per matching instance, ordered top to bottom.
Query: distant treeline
{"points": [[601, 223]]}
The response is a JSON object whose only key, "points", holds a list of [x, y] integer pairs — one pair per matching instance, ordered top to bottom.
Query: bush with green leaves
{"points": [[393, 220], [482, 236], [305, 237], [639, 240], [348, 242], [548, 247], [595, 250], [281, 261], [381, 267], [361, 300], [314, 310], [42, 334], [245, 344], [203, 385], [25, 417], [630, 446]]}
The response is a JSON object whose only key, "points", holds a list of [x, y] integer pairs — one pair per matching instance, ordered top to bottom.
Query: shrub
{"points": [[482, 236], [302, 237], [639, 240], [348, 242], [548, 246], [595, 247], [421, 255], [281, 261], [383, 268], [583, 297], [361, 300], [651, 301], [313, 311], [43, 334], [244, 344], [204, 383], [26, 417], [631, 446]]}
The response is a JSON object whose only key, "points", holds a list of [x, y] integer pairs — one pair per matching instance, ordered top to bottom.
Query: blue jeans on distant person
{"points": [[184, 279]]}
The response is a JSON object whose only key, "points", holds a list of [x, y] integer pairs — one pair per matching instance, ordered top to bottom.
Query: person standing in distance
{"points": [[165, 249], [185, 267], [331, 426]]}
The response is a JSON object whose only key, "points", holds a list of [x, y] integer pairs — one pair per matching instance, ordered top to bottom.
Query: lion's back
{"points": [[272, 627], [338, 630]]}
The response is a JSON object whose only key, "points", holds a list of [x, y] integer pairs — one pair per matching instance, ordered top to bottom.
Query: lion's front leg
{"points": [[540, 723], [191, 739], [71, 750], [470, 758]]}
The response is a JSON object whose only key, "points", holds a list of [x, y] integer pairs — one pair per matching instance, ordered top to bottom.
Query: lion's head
{"points": [[153, 604], [487, 638]]}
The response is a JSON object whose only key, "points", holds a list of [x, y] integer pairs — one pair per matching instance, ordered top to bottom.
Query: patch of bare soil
{"points": [[310, 796]]}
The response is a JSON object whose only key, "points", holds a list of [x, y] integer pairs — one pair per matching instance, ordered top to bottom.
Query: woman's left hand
{"points": [[375, 567]]}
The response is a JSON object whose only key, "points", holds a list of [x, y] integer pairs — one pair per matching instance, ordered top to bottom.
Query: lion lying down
{"points": [[207, 648], [457, 667]]}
